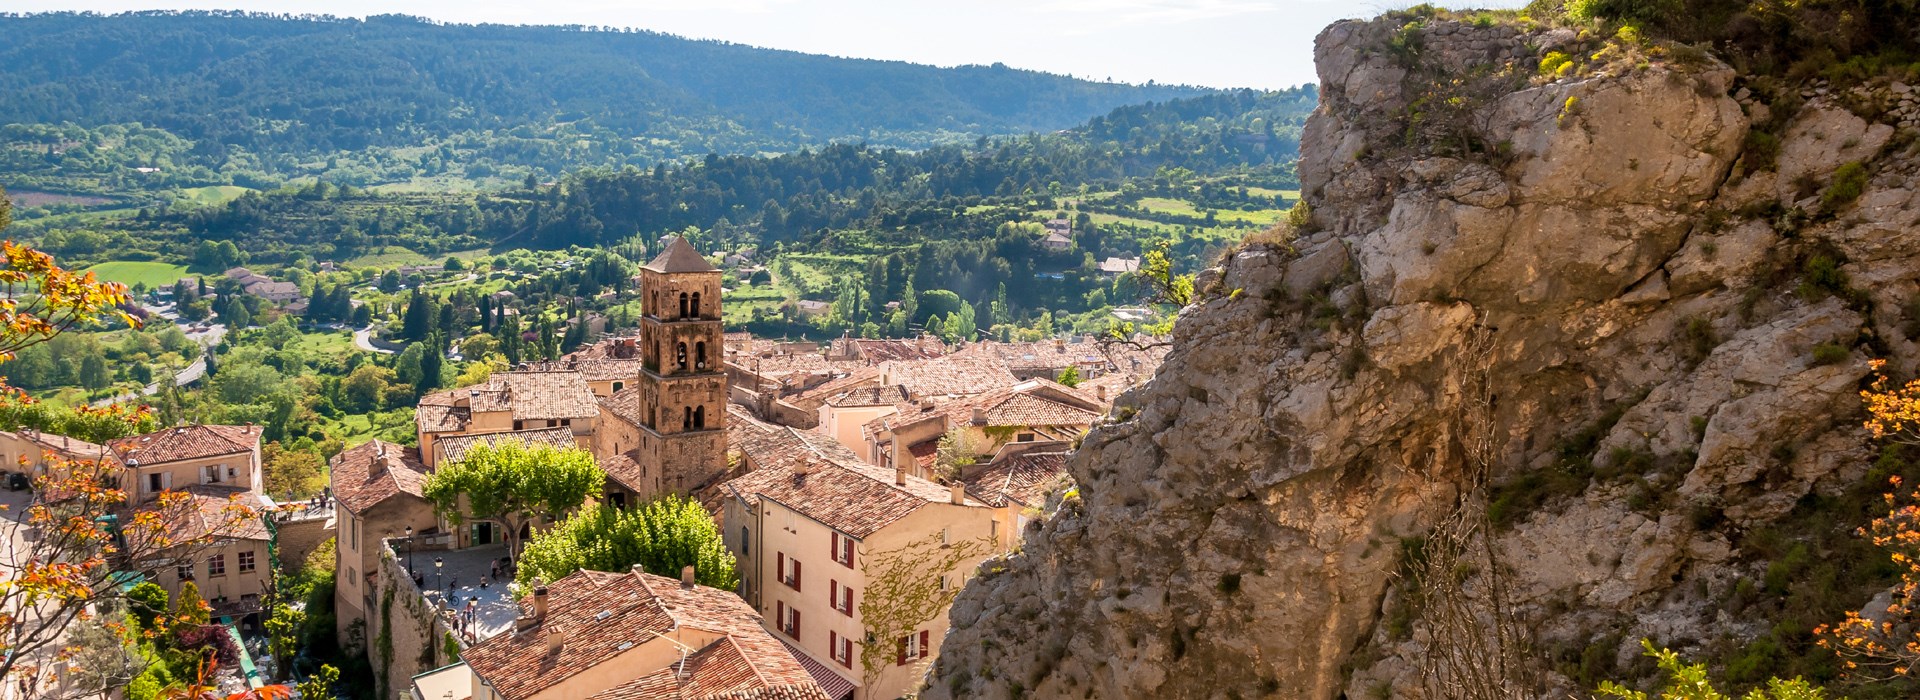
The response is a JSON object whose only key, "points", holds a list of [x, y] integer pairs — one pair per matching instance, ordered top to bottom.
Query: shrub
{"points": [[1551, 64], [1761, 150], [1848, 182], [1698, 341], [1830, 354]]}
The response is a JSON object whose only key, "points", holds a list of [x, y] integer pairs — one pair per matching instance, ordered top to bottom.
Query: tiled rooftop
{"points": [[680, 257], [953, 375], [528, 395], [187, 442], [453, 449], [367, 475], [1019, 479], [848, 495], [210, 511], [602, 615]]}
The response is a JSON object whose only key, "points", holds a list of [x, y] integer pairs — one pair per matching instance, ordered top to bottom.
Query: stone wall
{"points": [[298, 538], [404, 632]]}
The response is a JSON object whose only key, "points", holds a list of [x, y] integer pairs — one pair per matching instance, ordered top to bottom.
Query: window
{"points": [[696, 304], [680, 355], [700, 355], [617, 386], [1024, 437], [211, 474], [155, 483], [993, 528], [356, 533], [946, 536], [746, 541], [842, 550], [245, 560], [217, 565], [788, 570], [183, 572], [353, 577], [944, 586], [840, 597], [788, 619], [913, 647], [840, 648]]}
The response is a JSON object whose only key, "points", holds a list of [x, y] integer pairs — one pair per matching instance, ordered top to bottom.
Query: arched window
{"points": [[696, 304], [683, 305], [680, 355], [700, 355], [699, 417], [686, 423]]}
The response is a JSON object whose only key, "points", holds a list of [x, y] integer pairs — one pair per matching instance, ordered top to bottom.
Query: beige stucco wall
{"points": [[844, 424], [244, 467], [778, 531], [357, 550], [232, 585]]}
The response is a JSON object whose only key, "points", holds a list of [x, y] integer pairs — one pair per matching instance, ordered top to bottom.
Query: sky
{"points": [[1215, 43]]}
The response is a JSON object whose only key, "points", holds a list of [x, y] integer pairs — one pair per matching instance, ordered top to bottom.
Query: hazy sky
{"points": [[1217, 43]]}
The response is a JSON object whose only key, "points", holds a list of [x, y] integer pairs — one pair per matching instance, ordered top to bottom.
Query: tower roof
{"points": [[680, 257]]}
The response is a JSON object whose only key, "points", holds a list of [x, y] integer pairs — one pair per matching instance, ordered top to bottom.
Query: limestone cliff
{"points": [[1685, 315]]}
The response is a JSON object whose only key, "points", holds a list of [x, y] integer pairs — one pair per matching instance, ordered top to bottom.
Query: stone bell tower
{"points": [[683, 388]]}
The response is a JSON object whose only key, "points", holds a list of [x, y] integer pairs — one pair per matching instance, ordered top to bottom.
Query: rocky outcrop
{"points": [[1645, 298]]}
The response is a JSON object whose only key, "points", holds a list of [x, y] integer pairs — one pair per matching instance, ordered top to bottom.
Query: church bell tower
{"points": [[683, 388]]}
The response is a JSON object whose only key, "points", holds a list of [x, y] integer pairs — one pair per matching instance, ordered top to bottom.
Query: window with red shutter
{"points": [[780, 567], [796, 575], [833, 593], [847, 600], [796, 623], [903, 651], [924, 652]]}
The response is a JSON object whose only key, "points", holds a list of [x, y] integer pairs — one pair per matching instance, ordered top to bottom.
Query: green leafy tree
{"points": [[418, 319], [93, 372], [1069, 377], [512, 483], [661, 536], [147, 602], [283, 628], [1689, 682], [320, 684]]}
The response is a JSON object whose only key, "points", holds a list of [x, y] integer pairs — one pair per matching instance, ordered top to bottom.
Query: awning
{"points": [[837, 687]]}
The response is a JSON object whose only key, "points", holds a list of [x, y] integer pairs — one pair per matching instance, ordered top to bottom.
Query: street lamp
{"points": [[409, 549], [438, 565]]}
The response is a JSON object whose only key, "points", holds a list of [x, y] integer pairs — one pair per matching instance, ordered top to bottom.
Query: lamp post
{"points": [[409, 549], [438, 565]]}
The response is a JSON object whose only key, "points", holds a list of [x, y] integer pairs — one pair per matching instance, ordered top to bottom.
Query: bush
{"points": [[1551, 64], [1848, 182], [1830, 354]]}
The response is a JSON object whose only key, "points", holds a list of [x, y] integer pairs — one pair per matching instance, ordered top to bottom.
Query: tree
{"points": [[418, 319], [93, 372], [1069, 377], [367, 386], [955, 452], [299, 473], [512, 483], [661, 536], [907, 587], [147, 602], [283, 638], [1887, 644], [1689, 682], [320, 684]]}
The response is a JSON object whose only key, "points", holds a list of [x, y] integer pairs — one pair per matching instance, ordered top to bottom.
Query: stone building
{"points": [[682, 397], [508, 402], [218, 468], [379, 488]]}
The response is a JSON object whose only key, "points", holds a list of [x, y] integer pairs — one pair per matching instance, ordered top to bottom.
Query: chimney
{"points": [[1100, 392], [979, 416], [899, 476], [957, 495], [638, 569], [686, 576], [539, 603], [555, 641]]}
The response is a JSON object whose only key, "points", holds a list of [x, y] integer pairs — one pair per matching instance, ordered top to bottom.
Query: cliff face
{"points": [[1650, 295]]}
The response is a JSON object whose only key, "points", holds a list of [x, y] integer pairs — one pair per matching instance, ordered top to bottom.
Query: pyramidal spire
{"points": [[680, 257]]}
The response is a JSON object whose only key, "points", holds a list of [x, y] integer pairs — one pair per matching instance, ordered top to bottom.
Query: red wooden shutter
{"points": [[833, 548], [849, 552], [780, 567], [796, 575], [833, 593], [849, 601], [780, 613], [796, 622], [833, 644], [903, 652], [924, 652]]}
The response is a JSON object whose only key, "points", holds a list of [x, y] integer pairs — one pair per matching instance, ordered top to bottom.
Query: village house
{"points": [[1056, 241], [1116, 266], [245, 276], [276, 292], [810, 308], [508, 401], [1031, 411], [27, 449], [218, 468], [1016, 482], [379, 487], [778, 520], [595, 635]]}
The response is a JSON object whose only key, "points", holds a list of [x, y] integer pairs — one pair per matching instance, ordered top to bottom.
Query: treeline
{"points": [[276, 88]]}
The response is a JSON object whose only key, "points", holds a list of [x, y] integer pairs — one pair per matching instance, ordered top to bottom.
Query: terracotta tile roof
{"points": [[680, 257], [1120, 266], [876, 351], [773, 366], [608, 369], [953, 375], [1115, 384], [528, 395], [891, 395], [810, 400], [1034, 402], [624, 404], [188, 442], [769, 446], [68, 447], [453, 449], [624, 470], [368, 475], [1019, 479], [850, 496], [209, 511], [603, 615], [830, 680]]}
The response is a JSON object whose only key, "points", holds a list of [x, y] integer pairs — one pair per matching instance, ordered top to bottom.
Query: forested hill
{"points": [[280, 89]]}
